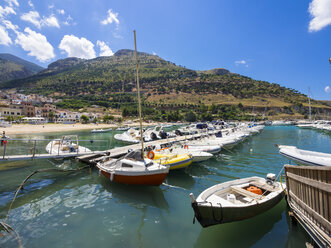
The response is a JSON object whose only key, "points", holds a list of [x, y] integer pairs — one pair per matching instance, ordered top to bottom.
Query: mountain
{"points": [[12, 67], [110, 82]]}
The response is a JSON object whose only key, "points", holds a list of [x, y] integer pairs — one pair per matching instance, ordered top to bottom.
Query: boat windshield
{"points": [[136, 154]]}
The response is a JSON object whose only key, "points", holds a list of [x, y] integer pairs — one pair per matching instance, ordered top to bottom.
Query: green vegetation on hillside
{"points": [[170, 89]]}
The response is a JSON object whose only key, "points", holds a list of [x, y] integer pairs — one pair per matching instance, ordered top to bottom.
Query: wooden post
{"points": [[4, 148], [34, 148]]}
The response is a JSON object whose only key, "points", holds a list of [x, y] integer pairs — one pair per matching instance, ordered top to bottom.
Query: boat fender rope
{"points": [[212, 209]]}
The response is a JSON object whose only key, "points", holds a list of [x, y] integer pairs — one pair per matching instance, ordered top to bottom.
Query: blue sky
{"points": [[284, 42]]}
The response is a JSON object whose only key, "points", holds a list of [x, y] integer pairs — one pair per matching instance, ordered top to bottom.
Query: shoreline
{"points": [[52, 128]]}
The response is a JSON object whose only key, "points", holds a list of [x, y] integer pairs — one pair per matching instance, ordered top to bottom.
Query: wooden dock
{"points": [[120, 151], [47, 156], [309, 197]]}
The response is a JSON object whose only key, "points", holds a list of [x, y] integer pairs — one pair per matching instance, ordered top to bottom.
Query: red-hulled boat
{"points": [[133, 169]]}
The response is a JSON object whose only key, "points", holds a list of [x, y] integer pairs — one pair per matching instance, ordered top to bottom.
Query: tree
{"points": [[51, 115], [190, 116], [108, 118], [84, 119]]}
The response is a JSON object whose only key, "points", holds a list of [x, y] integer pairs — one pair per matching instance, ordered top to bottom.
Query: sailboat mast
{"points": [[139, 103], [309, 104]]}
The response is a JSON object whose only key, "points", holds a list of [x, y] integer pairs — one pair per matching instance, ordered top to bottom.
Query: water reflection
{"points": [[180, 178], [135, 196], [242, 233]]}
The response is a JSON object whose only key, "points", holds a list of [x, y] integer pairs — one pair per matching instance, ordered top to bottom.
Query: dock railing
{"points": [[19, 149], [309, 197]]}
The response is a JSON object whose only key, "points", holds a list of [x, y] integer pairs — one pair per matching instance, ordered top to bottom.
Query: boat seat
{"points": [[246, 193]]}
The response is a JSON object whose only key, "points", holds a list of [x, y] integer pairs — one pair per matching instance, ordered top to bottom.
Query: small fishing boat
{"points": [[122, 128], [101, 130], [68, 144], [197, 155], [305, 157], [175, 161], [133, 169], [237, 200]]}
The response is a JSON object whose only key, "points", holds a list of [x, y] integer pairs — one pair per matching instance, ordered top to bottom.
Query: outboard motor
{"points": [[178, 133], [163, 134], [219, 134], [153, 136], [271, 177]]}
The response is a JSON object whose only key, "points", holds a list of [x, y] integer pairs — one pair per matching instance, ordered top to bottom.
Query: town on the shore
{"points": [[35, 109]]}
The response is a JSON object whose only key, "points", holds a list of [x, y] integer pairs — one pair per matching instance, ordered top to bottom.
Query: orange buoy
{"points": [[186, 147], [151, 155], [255, 190]]}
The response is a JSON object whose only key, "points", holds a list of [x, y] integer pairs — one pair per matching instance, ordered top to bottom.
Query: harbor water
{"points": [[84, 209]]}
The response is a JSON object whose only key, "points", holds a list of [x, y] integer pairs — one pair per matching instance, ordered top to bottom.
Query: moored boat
{"points": [[101, 130], [68, 144], [305, 157], [175, 161], [133, 169], [236, 200]]}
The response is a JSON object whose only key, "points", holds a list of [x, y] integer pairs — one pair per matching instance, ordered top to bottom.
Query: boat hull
{"points": [[151, 179], [213, 215]]}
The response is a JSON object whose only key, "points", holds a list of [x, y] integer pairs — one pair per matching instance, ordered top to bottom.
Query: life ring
{"points": [[186, 147], [151, 155]]}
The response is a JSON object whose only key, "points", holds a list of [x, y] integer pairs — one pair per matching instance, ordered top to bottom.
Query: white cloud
{"points": [[12, 2], [30, 4], [51, 6], [6, 11], [61, 11], [320, 11], [112, 17], [34, 18], [50, 21], [69, 21], [11, 26], [4, 37], [36, 44], [77, 47], [104, 49], [241, 62], [327, 89]]}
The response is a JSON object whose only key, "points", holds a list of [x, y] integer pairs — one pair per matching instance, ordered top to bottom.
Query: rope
{"points": [[6, 227]]}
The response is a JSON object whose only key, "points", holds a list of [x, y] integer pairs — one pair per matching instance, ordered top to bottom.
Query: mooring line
{"points": [[6, 227]]}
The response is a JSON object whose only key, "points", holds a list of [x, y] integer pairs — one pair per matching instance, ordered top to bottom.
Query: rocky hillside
{"points": [[12, 67], [110, 82]]}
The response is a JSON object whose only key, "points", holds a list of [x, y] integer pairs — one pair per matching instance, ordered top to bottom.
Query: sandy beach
{"points": [[51, 127]]}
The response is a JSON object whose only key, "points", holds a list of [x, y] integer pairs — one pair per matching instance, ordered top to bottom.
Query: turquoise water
{"points": [[84, 209]]}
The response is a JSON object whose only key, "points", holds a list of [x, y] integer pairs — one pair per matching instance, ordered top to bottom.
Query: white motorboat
{"points": [[122, 128], [101, 130], [131, 136], [68, 144], [305, 157], [236, 200]]}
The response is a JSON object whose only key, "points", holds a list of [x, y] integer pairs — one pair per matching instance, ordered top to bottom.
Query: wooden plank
{"points": [[314, 168], [310, 182], [246, 193], [326, 224]]}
